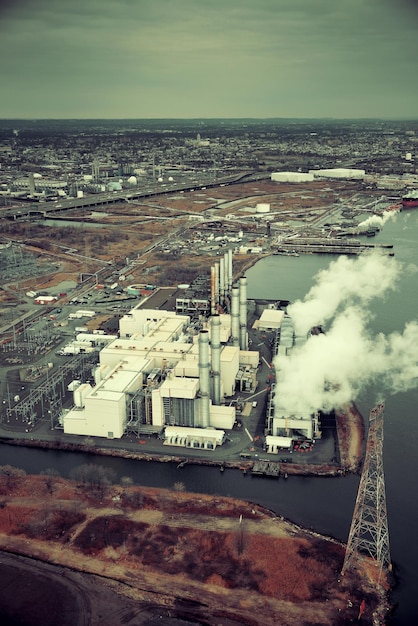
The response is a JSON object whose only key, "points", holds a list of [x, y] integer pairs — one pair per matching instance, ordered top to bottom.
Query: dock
{"points": [[266, 468]]}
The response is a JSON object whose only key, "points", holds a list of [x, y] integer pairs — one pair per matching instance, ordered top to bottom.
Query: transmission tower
{"points": [[369, 532]]}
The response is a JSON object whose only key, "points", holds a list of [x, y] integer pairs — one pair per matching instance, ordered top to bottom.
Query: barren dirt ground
{"points": [[134, 555]]}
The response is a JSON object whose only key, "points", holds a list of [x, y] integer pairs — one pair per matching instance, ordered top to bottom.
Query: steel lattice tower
{"points": [[369, 533]]}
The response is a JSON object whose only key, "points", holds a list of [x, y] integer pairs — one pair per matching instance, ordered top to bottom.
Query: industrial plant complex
{"points": [[174, 375]]}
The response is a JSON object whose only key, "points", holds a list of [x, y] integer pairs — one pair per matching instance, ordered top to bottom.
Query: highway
{"points": [[43, 209]]}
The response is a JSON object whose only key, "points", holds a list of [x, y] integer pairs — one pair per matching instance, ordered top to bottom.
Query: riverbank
{"points": [[350, 439], [203, 559]]}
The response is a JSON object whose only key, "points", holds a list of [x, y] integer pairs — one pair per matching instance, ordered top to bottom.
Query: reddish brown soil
{"points": [[225, 559]]}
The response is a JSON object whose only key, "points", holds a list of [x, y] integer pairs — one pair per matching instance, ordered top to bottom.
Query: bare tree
{"points": [[12, 475], [95, 477], [50, 478]]}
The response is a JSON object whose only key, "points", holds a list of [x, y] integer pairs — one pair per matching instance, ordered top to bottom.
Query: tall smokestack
{"points": [[32, 187], [230, 272], [226, 274], [221, 280], [216, 285], [212, 290], [235, 316], [243, 344], [215, 345], [204, 378]]}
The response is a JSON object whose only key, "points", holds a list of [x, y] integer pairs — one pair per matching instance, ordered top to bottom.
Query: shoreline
{"points": [[350, 429]]}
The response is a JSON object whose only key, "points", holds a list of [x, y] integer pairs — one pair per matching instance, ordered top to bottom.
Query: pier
{"points": [[266, 468]]}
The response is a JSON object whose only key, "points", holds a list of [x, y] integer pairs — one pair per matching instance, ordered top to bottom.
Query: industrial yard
{"points": [[92, 278], [100, 290]]}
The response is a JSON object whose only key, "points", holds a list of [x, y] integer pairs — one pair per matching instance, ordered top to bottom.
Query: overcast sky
{"points": [[208, 58]]}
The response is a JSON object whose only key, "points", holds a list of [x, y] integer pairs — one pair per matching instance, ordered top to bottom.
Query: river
{"points": [[323, 504]]}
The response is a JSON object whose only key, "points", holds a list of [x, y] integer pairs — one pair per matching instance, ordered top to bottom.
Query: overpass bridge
{"points": [[28, 210]]}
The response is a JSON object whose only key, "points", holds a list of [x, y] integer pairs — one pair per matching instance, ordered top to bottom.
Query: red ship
{"points": [[410, 199]]}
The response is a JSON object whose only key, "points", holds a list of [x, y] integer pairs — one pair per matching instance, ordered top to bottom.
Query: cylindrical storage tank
{"points": [[292, 177], [262, 207], [216, 357], [204, 377]]}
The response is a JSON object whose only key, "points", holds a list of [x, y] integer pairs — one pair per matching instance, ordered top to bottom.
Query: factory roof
{"points": [[270, 318], [179, 387]]}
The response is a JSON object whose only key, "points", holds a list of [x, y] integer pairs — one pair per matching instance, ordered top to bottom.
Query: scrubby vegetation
{"points": [[214, 542]]}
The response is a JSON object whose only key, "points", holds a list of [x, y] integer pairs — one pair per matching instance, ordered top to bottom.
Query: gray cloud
{"points": [[210, 58]]}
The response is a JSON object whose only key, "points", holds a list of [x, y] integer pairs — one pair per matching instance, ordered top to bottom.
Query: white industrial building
{"points": [[339, 172], [292, 177], [165, 371], [171, 375], [284, 425]]}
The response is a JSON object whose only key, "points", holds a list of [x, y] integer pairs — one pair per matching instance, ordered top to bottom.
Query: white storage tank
{"points": [[340, 172], [292, 177], [263, 207]]}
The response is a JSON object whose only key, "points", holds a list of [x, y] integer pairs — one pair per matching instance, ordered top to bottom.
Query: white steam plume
{"points": [[376, 220], [346, 281], [331, 369]]}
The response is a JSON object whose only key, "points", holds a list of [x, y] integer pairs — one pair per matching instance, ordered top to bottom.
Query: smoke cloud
{"points": [[376, 220], [345, 282], [331, 368]]}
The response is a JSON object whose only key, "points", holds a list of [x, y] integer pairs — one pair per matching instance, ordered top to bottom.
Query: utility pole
{"points": [[369, 533]]}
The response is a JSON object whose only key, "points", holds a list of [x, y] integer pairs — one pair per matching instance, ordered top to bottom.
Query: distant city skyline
{"points": [[133, 59]]}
